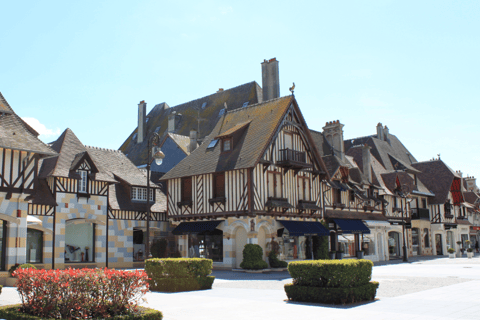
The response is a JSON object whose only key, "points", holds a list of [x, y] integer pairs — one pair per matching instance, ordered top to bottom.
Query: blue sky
{"points": [[413, 66]]}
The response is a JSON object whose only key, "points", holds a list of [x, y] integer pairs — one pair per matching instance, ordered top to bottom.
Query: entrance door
{"points": [[240, 242], [394, 244], [438, 244]]}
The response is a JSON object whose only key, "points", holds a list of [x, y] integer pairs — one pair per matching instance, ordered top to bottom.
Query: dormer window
{"points": [[82, 183], [140, 194]]}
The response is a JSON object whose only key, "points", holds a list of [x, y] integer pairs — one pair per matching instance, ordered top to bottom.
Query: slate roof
{"points": [[158, 117], [16, 134], [183, 142], [323, 147], [248, 149], [392, 154], [437, 177], [405, 179], [471, 197]]}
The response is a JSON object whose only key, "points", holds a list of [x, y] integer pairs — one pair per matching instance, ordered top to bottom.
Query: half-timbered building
{"points": [[20, 154], [257, 178], [94, 202]]}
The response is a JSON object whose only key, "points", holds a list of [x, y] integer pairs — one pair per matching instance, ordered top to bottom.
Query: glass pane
{"points": [[78, 242], [34, 246]]}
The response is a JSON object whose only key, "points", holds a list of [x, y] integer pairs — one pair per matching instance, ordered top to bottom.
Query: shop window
{"points": [[274, 182], [219, 185], [351, 196], [427, 238], [79, 241], [346, 243], [3, 244], [138, 244], [369, 244], [208, 245], [34, 246]]}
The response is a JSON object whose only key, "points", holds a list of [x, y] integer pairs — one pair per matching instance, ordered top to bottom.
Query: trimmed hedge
{"points": [[253, 258], [275, 262], [20, 266], [331, 273], [179, 274], [331, 281], [331, 295], [12, 312]]}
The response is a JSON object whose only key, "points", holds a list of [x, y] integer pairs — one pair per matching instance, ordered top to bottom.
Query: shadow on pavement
{"points": [[231, 275], [334, 306]]}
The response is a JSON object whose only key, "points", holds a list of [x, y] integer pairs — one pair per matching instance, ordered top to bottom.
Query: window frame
{"points": [[230, 144], [83, 181], [303, 183], [277, 186], [218, 188], [140, 194], [186, 196]]}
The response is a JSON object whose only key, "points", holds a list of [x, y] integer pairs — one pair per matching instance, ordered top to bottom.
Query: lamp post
{"points": [[153, 151], [407, 200]]}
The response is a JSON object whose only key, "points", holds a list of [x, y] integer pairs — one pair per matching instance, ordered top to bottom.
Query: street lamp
{"points": [[153, 153], [407, 200]]}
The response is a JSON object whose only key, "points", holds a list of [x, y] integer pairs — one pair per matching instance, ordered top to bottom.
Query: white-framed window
{"points": [[82, 183], [140, 194]]}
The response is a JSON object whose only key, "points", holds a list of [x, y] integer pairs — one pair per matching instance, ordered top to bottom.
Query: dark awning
{"points": [[352, 226], [196, 227], [301, 228]]}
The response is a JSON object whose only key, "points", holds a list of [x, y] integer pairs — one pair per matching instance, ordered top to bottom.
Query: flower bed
{"points": [[80, 293]]}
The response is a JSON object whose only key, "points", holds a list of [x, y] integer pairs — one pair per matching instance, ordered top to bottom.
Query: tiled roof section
{"points": [[4, 106], [190, 111], [235, 129], [15, 134], [183, 142], [68, 146], [323, 147], [384, 150], [246, 151], [332, 164], [118, 167], [377, 168], [437, 177], [406, 181], [43, 195], [471, 197]]}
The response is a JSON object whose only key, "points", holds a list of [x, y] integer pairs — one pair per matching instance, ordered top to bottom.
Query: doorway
{"points": [[240, 242], [394, 244], [438, 244]]}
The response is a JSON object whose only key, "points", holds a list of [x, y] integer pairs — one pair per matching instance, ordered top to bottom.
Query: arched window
{"points": [[427, 238], [34, 246]]}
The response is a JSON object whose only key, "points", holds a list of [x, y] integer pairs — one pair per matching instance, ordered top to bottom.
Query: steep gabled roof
{"points": [[189, 113], [265, 119], [16, 134], [183, 142], [437, 177]]}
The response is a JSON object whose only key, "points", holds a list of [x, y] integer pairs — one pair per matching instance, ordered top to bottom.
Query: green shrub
{"points": [[320, 245], [451, 250], [253, 257], [275, 262], [20, 266], [13, 268], [331, 273], [179, 274], [182, 284], [1, 287], [331, 295], [12, 312]]}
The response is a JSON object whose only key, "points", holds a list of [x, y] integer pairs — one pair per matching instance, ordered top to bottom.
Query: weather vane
{"points": [[292, 88]]}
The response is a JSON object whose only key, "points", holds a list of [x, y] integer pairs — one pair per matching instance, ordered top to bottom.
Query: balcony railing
{"points": [[292, 155], [420, 214]]}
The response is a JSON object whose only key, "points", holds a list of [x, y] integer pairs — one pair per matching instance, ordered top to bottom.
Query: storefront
{"points": [[348, 236], [296, 238], [204, 239], [375, 245]]}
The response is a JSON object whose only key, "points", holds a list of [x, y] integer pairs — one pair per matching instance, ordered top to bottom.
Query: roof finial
{"points": [[292, 88]]}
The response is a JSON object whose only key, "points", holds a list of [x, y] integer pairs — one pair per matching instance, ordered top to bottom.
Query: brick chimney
{"points": [[270, 79], [142, 121], [380, 131], [333, 132], [386, 134], [193, 140], [366, 159]]}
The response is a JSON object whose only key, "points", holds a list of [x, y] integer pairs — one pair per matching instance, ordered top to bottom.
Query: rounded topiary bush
{"points": [[253, 257], [275, 262]]}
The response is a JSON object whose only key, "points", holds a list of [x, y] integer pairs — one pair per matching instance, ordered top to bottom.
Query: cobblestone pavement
{"points": [[423, 288]]}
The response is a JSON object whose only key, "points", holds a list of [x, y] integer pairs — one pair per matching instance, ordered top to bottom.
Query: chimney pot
{"points": [[142, 121]]}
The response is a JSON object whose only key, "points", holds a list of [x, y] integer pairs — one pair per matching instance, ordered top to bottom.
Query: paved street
{"points": [[438, 288]]}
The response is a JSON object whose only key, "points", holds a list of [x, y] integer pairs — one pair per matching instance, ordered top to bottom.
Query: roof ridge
{"points": [[204, 97], [256, 104], [369, 136], [102, 149]]}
